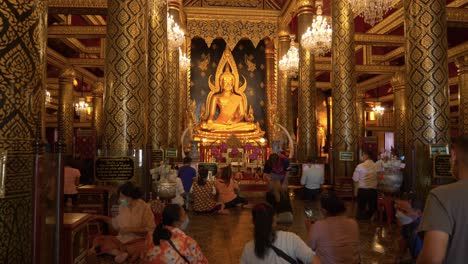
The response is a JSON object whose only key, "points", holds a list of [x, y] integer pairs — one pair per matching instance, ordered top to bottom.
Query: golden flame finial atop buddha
{"points": [[226, 104]]}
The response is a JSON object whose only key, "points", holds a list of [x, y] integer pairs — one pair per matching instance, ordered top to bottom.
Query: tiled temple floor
{"points": [[222, 237]]}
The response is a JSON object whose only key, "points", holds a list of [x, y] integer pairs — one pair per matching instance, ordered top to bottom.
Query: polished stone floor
{"points": [[222, 237]]}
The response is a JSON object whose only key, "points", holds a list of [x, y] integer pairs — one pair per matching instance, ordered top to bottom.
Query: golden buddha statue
{"points": [[225, 111]]}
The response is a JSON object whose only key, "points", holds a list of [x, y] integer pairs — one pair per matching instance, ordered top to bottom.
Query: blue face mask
{"points": [[124, 202], [403, 219]]}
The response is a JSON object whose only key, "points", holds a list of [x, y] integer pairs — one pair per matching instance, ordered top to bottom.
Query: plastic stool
{"points": [[385, 203]]}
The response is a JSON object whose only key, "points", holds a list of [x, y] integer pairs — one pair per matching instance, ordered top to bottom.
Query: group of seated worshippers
{"points": [[140, 240]]}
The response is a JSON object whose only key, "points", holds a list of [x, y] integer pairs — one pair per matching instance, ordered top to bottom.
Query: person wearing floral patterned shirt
{"points": [[171, 244]]}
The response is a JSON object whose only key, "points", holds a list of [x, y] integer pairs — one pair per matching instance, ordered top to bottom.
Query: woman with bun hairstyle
{"points": [[134, 222], [171, 244]]}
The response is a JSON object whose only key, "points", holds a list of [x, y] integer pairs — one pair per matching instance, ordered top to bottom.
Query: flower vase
{"points": [[390, 180]]}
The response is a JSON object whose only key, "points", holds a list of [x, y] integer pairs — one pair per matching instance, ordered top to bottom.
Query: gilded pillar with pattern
{"points": [[462, 64], [22, 66], [157, 73], [343, 79], [398, 83], [427, 86], [284, 91], [271, 96], [183, 99], [172, 101], [307, 105], [125, 106], [66, 110], [361, 115], [97, 120]]}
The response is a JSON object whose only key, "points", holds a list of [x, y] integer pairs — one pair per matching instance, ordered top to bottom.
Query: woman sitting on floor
{"points": [[227, 189], [204, 195], [279, 199], [134, 222], [335, 239], [171, 244], [271, 246]]}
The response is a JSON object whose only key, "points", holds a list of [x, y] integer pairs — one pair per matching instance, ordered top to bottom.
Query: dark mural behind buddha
{"points": [[250, 61]]}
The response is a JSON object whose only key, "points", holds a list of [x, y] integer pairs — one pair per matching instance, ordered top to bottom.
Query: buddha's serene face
{"points": [[227, 83]]}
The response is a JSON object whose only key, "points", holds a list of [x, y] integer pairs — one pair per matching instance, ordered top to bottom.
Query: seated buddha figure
{"points": [[230, 107]]}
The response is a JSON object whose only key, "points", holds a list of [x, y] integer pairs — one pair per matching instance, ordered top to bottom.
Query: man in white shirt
{"points": [[365, 175], [311, 179]]}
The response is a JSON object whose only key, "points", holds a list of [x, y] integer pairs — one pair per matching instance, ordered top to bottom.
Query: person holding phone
{"points": [[335, 239]]}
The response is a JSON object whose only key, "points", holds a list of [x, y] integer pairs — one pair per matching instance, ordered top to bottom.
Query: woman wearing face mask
{"points": [[409, 213], [134, 222], [171, 244]]}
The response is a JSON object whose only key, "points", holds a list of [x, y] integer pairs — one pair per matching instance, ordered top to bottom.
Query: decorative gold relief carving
{"points": [[59, 31], [230, 31], [462, 64], [22, 66], [125, 74], [157, 74], [343, 83], [398, 83], [427, 87]]}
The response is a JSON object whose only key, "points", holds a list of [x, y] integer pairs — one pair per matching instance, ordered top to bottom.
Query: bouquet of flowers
{"points": [[391, 176]]}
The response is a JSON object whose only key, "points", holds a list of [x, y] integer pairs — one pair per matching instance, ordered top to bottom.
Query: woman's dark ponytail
{"points": [[170, 215], [264, 235]]}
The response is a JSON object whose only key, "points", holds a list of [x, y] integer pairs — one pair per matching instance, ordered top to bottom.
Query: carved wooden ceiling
{"points": [[77, 37]]}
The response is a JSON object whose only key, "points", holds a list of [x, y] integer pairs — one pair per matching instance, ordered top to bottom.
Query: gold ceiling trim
{"points": [[83, 7], [200, 13], [457, 15], [231, 25], [56, 31], [379, 40], [59, 61], [86, 62], [369, 69]]}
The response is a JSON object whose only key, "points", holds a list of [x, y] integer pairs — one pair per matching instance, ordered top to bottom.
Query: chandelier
{"points": [[371, 10], [175, 35], [317, 38], [290, 61], [184, 62], [48, 98], [81, 106], [378, 108]]}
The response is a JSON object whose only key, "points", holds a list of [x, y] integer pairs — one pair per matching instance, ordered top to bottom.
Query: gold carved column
{"points": [[462, 64], [22, 67], [157, 73], [343, 79], [398, 83], [427, 87], [284, 91], [271, 96], [172, 101], [307, 105], [125, 106], [66, 110], [361, 114], [97, 120]]}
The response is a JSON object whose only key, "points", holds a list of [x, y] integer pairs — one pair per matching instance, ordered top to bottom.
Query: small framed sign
{"points": [[438, 149], [171, 153], [346, 156], [441, 166]]}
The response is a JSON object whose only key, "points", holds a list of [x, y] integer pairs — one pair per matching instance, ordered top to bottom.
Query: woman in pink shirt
{"points": [[226, 188], [334, 239]]}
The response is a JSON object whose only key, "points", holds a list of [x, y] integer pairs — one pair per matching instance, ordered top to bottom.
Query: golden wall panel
{"points": [[22, 64], [157, 74], [126, 79], [343, 80], [427, 85], [271, 95]]}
